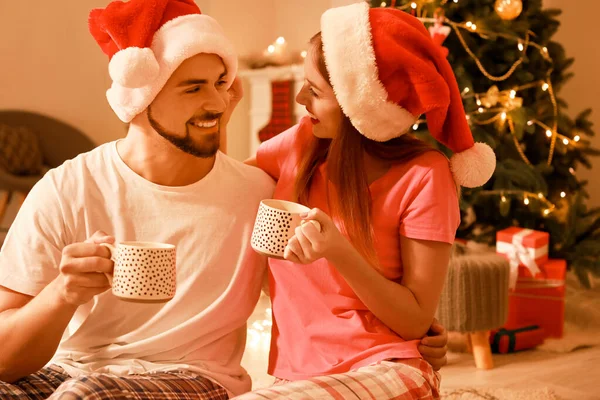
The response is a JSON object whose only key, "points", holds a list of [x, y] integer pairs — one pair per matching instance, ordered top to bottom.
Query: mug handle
{"points": [[312, 221], [113, 257]]}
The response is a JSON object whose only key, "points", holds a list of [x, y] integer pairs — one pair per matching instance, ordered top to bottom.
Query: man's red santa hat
{"points": [[147, 40], [386, 71]]}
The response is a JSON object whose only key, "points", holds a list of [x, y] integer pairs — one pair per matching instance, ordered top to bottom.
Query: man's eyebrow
{"points": [[190, 82]]}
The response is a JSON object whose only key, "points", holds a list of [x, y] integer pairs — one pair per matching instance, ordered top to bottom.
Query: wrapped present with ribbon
{"points": [[525, 249], [540, 301], [510, 340]]}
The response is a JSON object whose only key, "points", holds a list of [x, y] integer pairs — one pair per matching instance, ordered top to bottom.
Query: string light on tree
{"points": [[508, 9], [563, 194], [527, 198], [504, 206]]}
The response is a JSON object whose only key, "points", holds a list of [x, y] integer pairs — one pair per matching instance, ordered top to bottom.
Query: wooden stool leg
{"points": [[469, 344], [481, 350]]}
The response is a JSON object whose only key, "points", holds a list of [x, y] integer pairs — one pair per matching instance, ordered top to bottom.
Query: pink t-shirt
{"points": [[320, 326]]}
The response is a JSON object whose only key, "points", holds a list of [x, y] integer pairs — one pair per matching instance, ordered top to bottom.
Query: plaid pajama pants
{"points": [[398, 380], [54, 384]]}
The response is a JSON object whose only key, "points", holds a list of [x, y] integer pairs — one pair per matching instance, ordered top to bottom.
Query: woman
{"points": [[352, 299]]}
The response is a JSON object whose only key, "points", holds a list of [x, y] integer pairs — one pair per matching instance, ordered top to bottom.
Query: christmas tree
{"points": [[510, 73]]}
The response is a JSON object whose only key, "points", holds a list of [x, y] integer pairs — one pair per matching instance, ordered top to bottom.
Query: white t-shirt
{"points": [[203, 328]]}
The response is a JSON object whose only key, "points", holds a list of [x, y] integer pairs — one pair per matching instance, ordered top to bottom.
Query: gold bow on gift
{"points": [[495, 96]]}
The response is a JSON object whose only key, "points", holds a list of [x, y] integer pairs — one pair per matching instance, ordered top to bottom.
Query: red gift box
{"points": [[526, 250], [540, 300], [510, 340]]}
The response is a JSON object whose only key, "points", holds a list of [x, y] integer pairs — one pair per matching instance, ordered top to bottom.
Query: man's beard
{"points": [[209, 143]]}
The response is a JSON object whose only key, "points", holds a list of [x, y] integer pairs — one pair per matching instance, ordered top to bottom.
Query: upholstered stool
{"points": [[475, 299]]}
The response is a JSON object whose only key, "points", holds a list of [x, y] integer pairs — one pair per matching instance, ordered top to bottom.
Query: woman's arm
{"points": [[408, 307]]}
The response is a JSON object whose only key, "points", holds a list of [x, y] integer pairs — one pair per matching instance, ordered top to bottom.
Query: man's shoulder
{"points": [[94, 158], [70, 175], [247, 177]]}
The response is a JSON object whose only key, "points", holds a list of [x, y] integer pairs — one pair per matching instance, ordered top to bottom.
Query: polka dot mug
{"points": [[275, 224], [144, 272]]}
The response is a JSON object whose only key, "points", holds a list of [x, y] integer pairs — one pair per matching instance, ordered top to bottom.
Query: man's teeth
{"points": [[312, 116], [205, 124]]}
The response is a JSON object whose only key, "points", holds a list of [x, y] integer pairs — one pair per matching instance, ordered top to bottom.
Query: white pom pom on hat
{"points": [[134, 67]]}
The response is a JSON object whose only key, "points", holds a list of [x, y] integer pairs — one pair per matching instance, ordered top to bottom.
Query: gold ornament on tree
{"points": [[509, 9], [490, 99], [506, 99]]}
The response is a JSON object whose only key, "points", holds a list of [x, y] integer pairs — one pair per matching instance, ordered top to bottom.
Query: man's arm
{"points": [[31, 327], [30, 331], [434, 346]]}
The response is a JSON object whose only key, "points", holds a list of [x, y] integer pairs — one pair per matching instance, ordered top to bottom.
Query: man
{"points": [[165, 182], [63, 333]]}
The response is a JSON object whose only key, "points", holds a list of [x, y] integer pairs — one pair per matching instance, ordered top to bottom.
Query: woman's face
{"points": [[320, 102]]}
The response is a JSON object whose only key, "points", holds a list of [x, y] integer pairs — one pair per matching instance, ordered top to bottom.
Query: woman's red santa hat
{"points": [[147, 40], [386, 71]]}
